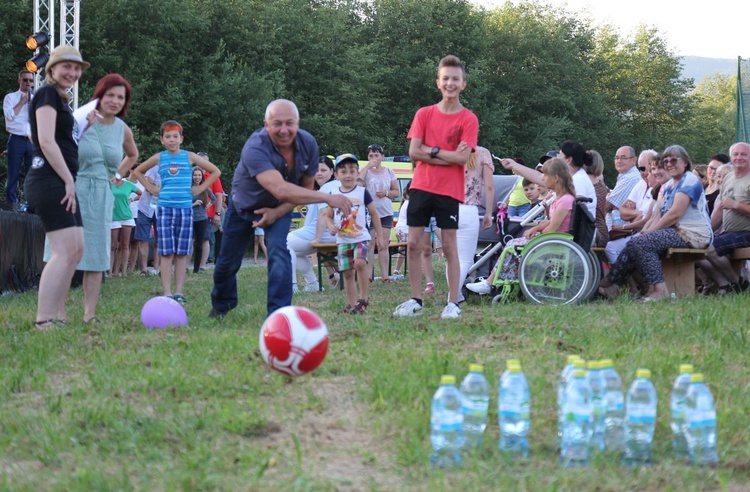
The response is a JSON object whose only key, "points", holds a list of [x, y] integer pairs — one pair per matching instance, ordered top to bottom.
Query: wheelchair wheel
{"points": [[555, 271], [596, 275]]}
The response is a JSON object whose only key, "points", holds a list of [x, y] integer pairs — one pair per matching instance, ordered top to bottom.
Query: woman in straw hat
{"points": [[50, 184]]}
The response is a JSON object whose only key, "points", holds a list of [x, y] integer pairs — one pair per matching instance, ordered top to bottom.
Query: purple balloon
{"points": [[163, 312]]}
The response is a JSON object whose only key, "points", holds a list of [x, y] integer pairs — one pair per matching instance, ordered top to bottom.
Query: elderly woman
{"points": [[680, 220]]}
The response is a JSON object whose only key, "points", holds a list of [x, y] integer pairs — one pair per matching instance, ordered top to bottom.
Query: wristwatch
{"points": [[434, 152], [118, 176], [218, 214]]}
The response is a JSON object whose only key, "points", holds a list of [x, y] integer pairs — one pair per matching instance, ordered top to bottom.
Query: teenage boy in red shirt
{"points": [[442, 138]]}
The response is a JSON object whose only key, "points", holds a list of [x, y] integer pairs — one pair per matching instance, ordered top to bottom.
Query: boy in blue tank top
{"points": [[174, 210]]}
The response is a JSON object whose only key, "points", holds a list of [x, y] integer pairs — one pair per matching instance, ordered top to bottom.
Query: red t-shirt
{"points": [[438, 129], [216, 188]]}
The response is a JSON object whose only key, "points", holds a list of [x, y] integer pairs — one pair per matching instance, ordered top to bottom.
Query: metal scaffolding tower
{"points": [[69, 22]]}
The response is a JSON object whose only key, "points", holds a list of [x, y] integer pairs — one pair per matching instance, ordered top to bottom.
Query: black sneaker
{"points": [[179, 298], [216, 314]]}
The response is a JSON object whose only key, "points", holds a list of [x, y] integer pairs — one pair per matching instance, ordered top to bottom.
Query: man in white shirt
{"points": [[20, 149]]}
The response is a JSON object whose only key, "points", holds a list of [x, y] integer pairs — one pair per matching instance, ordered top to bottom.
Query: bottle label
{"points": [[615, 402], [475, 407], [514, 410], [642, 415], [577, 417], [700, 419], [447, 422]]}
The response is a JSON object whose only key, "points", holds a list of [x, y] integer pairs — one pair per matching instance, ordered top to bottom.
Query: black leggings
{"points": [[199, 235]]}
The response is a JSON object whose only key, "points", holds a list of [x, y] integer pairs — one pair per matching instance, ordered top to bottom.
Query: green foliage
{"points": [[359, 69]]}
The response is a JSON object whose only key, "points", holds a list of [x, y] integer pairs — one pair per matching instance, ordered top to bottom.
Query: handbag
{"points": [[620, 233]]}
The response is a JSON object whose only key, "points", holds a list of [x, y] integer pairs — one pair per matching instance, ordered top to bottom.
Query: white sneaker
{"points": [[312, 287], [482, 287], [408, 308], [451, 311]]}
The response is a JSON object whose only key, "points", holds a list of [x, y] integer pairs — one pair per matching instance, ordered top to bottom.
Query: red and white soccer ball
{"points": [[293, 340]]}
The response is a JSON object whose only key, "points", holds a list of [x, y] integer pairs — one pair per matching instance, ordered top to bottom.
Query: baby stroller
{"points": [[556, 268]]}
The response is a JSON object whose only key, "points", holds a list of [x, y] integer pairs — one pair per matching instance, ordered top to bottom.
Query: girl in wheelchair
{"points": [[558, 180]]}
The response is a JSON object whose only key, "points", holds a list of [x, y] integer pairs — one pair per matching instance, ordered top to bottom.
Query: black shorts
{"points": [[44, 197], [423, 205], [385, 222]]}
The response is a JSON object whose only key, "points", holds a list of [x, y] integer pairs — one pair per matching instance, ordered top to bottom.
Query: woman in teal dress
{"points": [[107, 151]]}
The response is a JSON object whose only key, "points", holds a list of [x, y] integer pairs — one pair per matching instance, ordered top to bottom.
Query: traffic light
{"points": [[36, 42]]}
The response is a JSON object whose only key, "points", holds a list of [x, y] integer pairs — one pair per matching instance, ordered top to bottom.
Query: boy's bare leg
{"points": [[418, 240], [165, 267], [180, 272], [350, 288]]}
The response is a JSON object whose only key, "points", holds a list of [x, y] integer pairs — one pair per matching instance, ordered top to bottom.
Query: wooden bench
{"points": [[326, 252], [329, 252], [738, 258], [679, 269]]}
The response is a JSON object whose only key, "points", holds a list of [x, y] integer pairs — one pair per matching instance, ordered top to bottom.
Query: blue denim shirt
{"points": [[259, 155]]}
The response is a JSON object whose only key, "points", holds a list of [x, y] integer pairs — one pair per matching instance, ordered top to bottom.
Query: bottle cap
{"points": [[573, 358], [512, 362], [579, 363], [606, 363], [594, 364], [476, 368], [514, 368], [686, 368], [579, 373], [643, 373], [696, 378], [448, 379]]}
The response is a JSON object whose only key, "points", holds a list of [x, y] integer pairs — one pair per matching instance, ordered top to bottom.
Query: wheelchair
{"points": [[554, 268]]}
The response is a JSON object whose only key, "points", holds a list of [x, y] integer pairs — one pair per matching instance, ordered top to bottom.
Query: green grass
{"points": [[116, 406]]}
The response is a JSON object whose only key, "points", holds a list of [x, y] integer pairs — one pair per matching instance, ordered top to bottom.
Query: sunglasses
{"points": [[30, 81], [375, 148], [671, 162], [642, 169]]}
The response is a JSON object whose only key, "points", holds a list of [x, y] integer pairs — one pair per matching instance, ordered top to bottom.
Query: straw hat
{"points": [[66, 53]]}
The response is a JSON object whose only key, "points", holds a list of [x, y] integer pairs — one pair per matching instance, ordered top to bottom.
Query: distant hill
{"points": [[698, 67]]}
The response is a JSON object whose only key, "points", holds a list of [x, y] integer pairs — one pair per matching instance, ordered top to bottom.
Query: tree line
{"points": [[359, 69]]}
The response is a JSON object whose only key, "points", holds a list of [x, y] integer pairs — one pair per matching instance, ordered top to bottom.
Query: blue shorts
{"points": [[144, 226], [174, 230], [259, 231], [727, 242]]}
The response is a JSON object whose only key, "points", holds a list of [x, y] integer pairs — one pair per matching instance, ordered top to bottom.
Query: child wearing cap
{"points": [[174, 210], [351, 232]]}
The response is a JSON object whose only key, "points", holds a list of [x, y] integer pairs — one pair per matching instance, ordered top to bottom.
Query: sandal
{"points": [[144, 273], [430, 288], [361, 306], [349, 309], [92, 321], [48, 324]]}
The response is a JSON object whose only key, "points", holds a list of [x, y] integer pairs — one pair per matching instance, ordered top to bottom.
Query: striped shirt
{"points": [[176, 179]]}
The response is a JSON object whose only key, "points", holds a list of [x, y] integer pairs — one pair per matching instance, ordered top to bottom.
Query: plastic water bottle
{"points": [[506, 372], [562, 381], [596, 383], [476, 399], [677, 409], [513, 411], [578, 412], [640, 419], [446, 421], [701, 422], [614, 438]]}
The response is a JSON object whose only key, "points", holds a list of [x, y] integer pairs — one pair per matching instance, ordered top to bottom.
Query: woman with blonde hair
{"points": [[477, 178], [50, 183]]}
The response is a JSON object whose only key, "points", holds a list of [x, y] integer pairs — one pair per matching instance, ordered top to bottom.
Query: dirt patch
{"points": [[336, 442]]}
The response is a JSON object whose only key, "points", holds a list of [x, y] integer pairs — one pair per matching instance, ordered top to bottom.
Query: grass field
{"points": [[118, 407]]}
